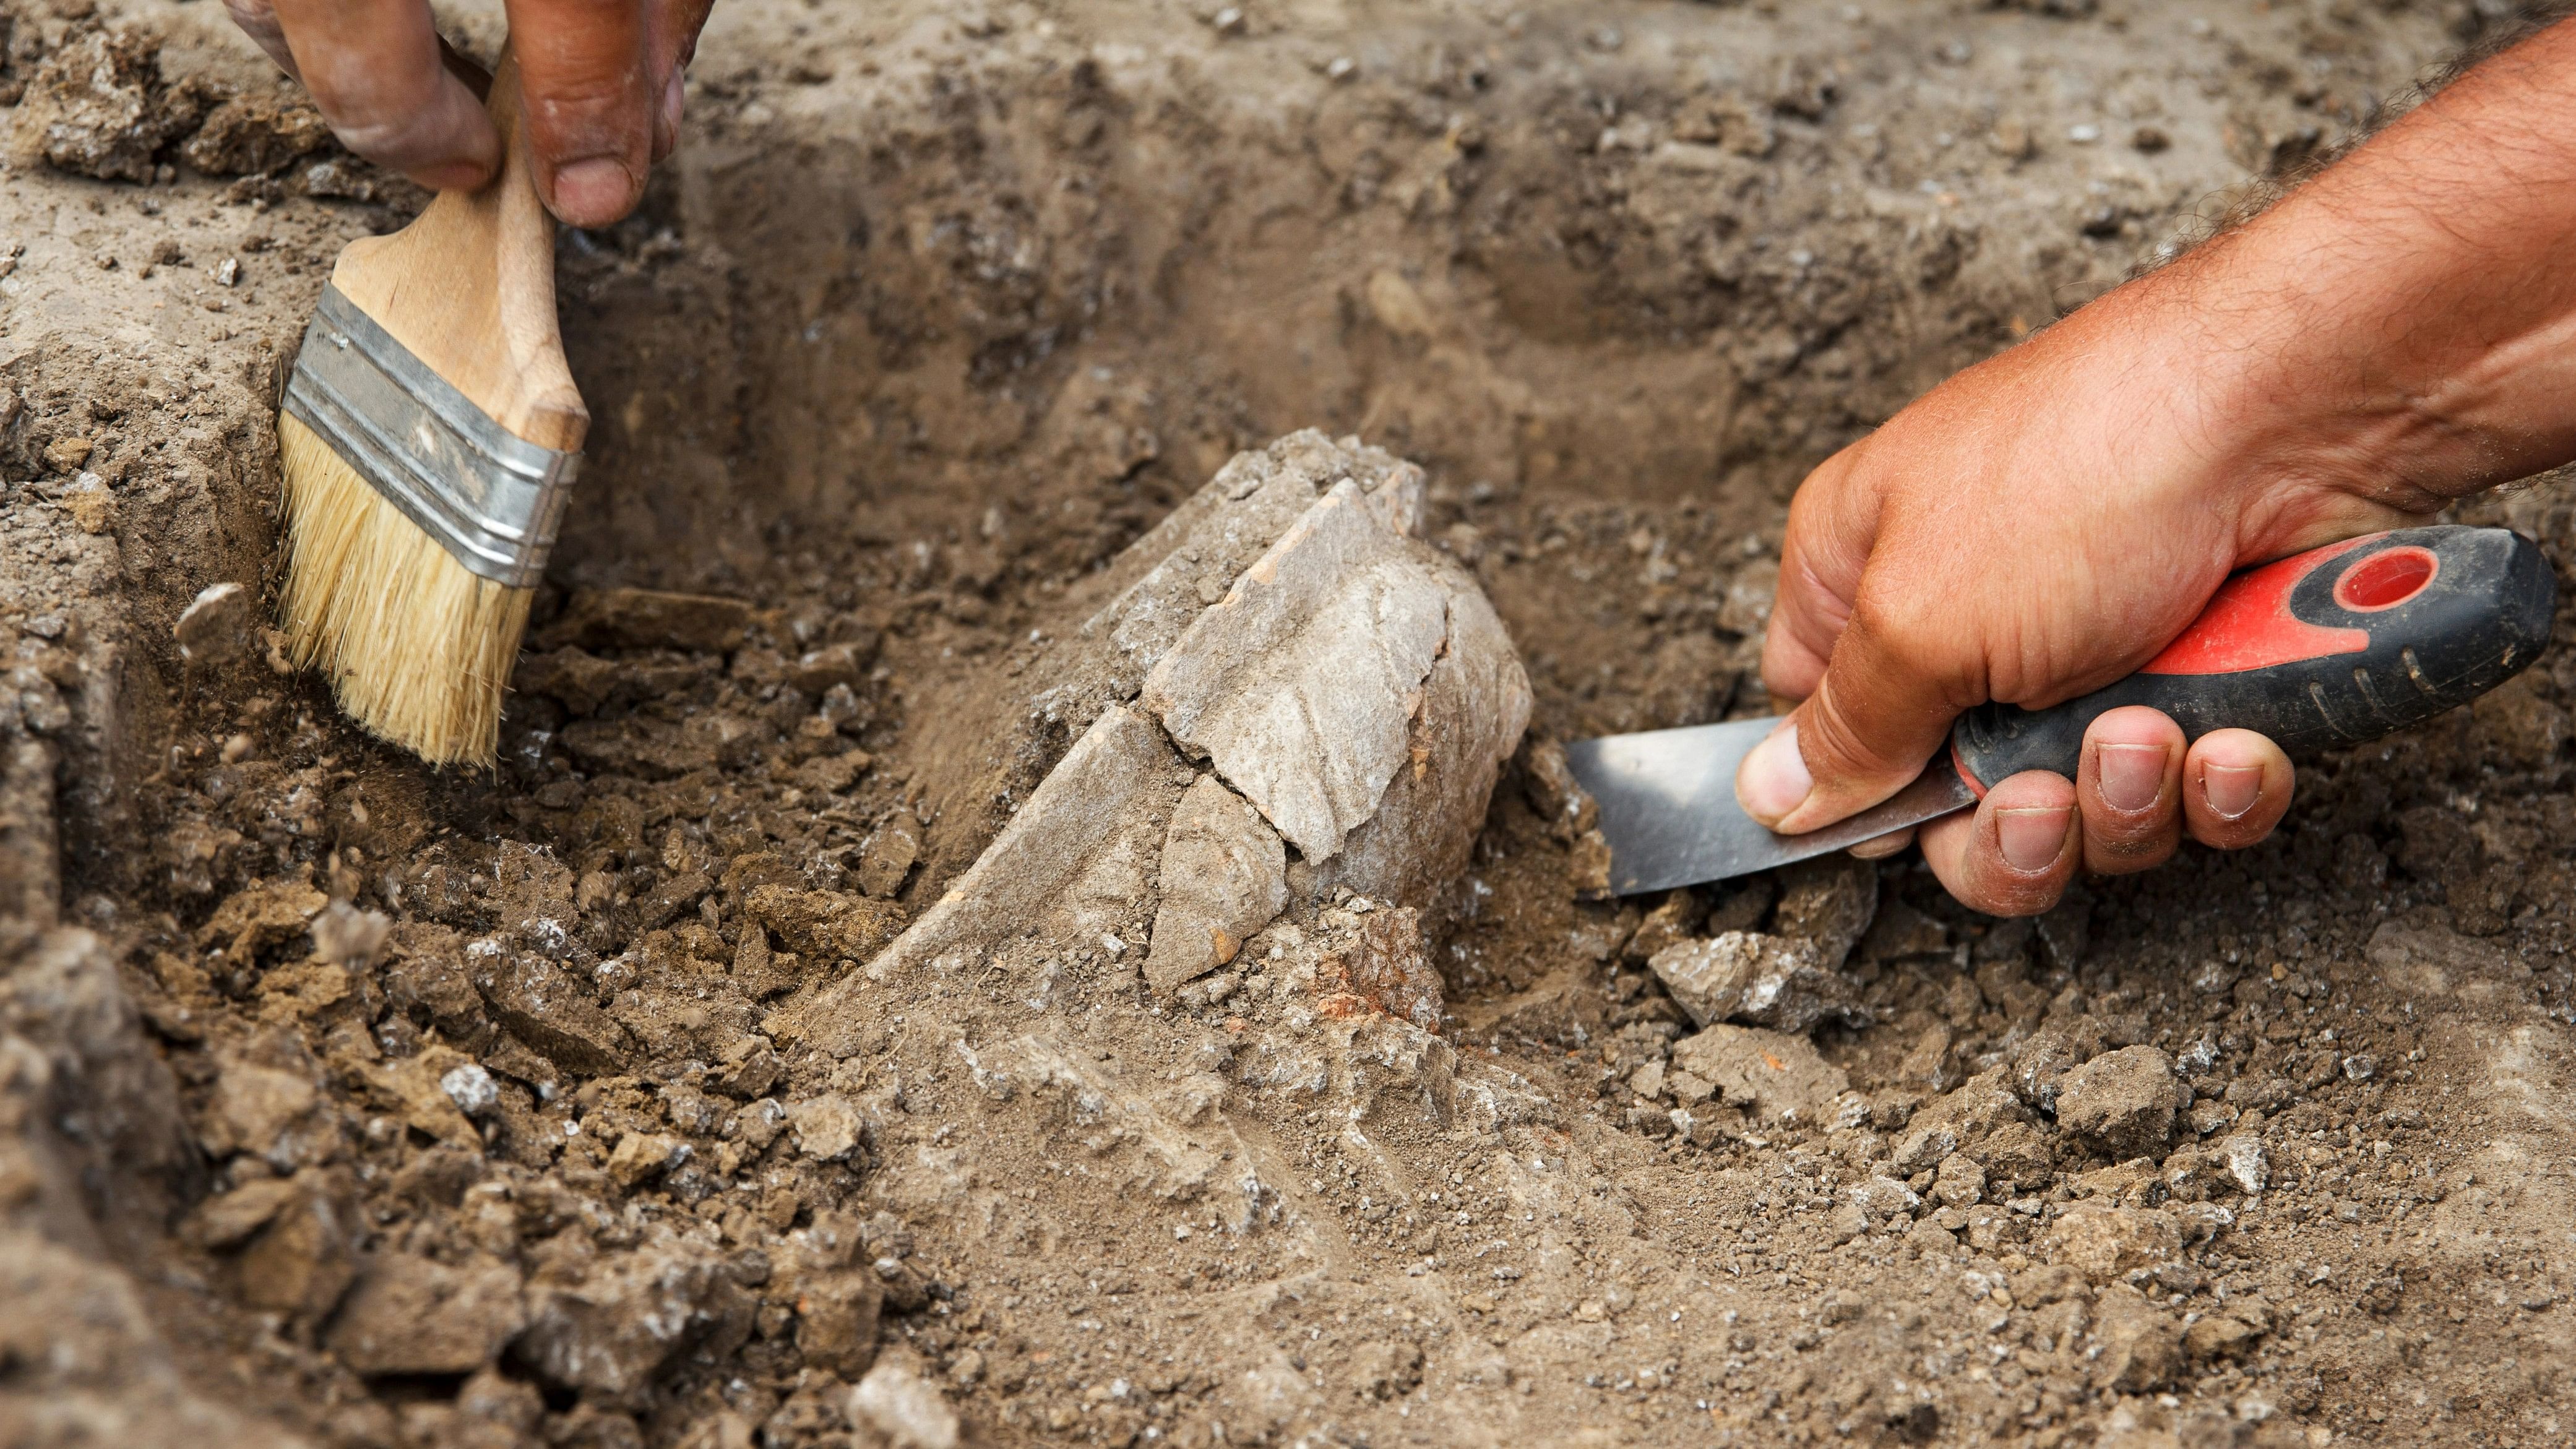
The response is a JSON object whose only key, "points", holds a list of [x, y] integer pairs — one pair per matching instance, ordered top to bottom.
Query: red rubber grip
{"points": [[2334, 646]]}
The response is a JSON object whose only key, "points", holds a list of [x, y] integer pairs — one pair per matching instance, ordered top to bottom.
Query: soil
{"points": [[347, 1102]]}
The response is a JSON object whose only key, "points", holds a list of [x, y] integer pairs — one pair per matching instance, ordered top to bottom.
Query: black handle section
{"points": [[2335, 646]]}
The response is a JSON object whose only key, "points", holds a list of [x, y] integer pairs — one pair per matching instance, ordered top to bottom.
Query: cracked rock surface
{"points": [[1347, 682], [1223, 875]]}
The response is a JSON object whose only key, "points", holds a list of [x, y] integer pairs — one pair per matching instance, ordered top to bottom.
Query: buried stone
{"points": [[1296, 684], [1356, 688], [1354, 695], [1764, 980], [412, 1315]]}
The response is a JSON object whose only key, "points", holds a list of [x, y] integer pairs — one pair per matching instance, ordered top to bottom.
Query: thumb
{"points": [[590, 105], [1883, 708]]}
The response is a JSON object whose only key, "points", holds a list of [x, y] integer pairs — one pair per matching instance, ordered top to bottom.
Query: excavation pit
{"points": [[699, 1086]]}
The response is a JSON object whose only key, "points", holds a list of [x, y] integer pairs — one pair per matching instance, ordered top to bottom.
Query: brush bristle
{"points": [[418, 647]]}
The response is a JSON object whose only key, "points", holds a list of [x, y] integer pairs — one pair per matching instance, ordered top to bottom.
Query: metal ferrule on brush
{"points": [[494, 499]]}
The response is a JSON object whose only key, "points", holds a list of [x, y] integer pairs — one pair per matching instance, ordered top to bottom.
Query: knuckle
{"points": [[576, 97], [369, 105], [424, 137], [1890, 628], [1832, 739], [1849, 743]]}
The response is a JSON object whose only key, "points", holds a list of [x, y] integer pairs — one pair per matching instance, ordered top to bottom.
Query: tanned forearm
{"points": [[2404, 325], [2395, 333]]}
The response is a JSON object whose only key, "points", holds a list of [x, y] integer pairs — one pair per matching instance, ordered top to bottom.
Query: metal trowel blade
{"points": [[1668, 808]]}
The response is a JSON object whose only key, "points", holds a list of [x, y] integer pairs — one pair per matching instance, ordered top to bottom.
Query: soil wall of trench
{"points": [[936, 314]]}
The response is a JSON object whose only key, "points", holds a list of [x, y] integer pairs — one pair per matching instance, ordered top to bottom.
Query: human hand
{"points": [[602, 84], [2399, 332], [2035, 528]]}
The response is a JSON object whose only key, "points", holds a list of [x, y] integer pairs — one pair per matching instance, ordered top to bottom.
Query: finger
{"points": [[258, 20], [670, 42], [373, 67], [590, 103], [666, 115], [1831, 527], [1882, 708], [2236, 787], [2129, 789], [1892, 843], [2016, 852]]}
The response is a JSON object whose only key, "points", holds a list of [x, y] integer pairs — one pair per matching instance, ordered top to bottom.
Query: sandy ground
{"points": [[619, 1137]]}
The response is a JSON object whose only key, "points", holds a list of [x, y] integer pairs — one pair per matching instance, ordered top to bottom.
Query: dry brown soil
{"points": [[939, 307]]}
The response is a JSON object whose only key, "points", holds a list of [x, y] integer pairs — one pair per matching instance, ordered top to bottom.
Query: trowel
{"points": [[2336, 646]]}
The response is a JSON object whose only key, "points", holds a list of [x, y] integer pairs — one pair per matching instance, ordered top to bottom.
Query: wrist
{"points": [[2403, 328], [2309, 383], [2210, 411]]}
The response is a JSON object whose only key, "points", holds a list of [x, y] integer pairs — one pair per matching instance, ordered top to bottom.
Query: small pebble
{"points": [[216, 626], [472, 1089]]}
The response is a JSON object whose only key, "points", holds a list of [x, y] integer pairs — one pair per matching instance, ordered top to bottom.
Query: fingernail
{"points": [[593, 191], [2132, 775], [1774, 779], [2231, 790], [2033, 837]]}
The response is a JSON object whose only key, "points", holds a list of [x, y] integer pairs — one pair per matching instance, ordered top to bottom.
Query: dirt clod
{"points": [[104, 106], [250, 135], [648, 619], [1828, 903], [1762, 980], [539, 1003], [1772, 1074], [2124, 1100], [2103, 1241], [307, 1254], [414, 1315], [604, 1334], [2141, 1345]]}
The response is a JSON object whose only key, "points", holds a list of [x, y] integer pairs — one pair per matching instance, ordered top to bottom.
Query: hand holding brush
{"points": [[430, 434]]}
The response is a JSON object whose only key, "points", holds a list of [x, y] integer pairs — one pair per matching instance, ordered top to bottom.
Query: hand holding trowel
{"points": [[2395, 333], [2336, 646]]}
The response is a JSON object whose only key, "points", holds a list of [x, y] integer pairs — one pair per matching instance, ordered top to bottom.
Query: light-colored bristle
{"points": [[418, 648]]}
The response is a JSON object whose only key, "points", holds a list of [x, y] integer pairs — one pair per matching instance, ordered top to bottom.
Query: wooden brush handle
{"points": [[469, 287]]}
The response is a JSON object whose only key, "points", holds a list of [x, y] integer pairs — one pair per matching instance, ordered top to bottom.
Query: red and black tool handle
{"points": [[2331, 647]]}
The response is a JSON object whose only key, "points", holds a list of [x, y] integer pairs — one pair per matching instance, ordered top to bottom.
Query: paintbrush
{"points": [[429, 439]]}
